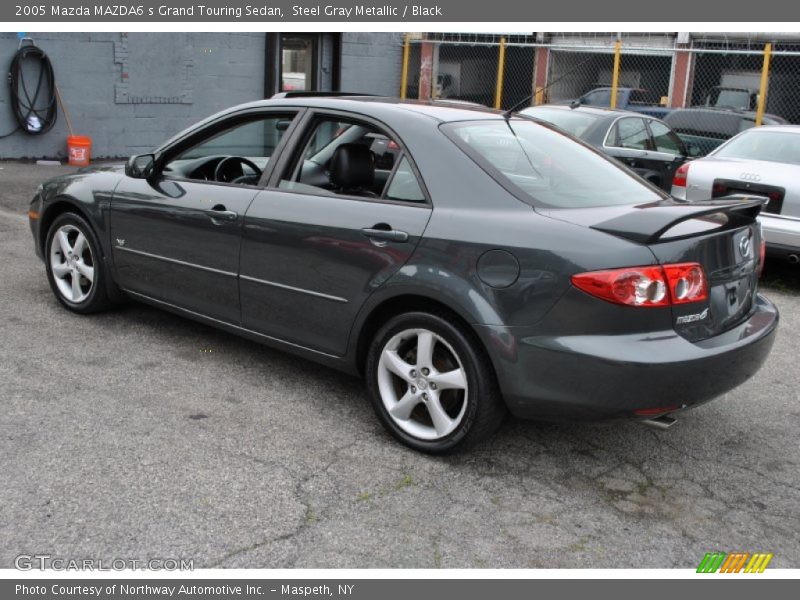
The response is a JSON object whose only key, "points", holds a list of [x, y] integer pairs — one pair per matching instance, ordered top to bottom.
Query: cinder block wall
{"points": [[371, 62], [121, 89], [129, 92]]}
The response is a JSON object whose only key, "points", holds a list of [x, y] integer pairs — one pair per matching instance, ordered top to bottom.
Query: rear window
{"points": [[570, 121], [720, 125], [772, 146], [546, 168]]}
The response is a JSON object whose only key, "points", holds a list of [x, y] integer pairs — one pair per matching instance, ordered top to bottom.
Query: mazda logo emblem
{"points": [[750, 176], [744, 247]]}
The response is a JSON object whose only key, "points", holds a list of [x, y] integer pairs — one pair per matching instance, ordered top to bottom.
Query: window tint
{"points": [[631, 133], [666, 140], [253, 142], [547, 167], [404, 184]]}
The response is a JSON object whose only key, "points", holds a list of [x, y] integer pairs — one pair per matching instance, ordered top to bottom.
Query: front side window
{"points": [[237, 154], [545, 167]]}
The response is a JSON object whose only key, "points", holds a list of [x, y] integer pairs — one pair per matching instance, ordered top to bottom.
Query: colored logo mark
{"points": [[721, 562]]}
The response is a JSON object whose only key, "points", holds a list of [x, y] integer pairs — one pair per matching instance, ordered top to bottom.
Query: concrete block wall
{"points": [[371, 62], [222, 69], [130, 92]]}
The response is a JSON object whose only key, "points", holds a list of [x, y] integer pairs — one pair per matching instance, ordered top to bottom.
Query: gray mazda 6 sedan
{"points": [[465, 262]]}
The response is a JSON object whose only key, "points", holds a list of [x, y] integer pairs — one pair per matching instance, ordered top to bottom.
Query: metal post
{"points": [[501, 65], [404, 72], [615, 76], [762, 92]]}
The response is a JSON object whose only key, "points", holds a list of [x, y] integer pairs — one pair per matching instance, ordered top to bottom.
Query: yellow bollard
{"points": [[501, 65], [404, 72], [615, 76], [762, 92]]}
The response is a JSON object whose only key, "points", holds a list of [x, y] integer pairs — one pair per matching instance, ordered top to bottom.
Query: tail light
{"points": [[681, 175], [686, 282], [646, 286]]}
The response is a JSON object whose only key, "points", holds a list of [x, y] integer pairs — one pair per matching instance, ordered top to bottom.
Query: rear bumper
{"points": [[781, 233], [603, 377]]}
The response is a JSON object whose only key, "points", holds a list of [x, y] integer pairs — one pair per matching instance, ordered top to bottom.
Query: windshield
{"points": [[570, 121], [772, 146], [546, 167]]}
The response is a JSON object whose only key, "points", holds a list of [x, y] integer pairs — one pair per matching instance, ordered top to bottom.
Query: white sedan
{"points": [[763, 161]]}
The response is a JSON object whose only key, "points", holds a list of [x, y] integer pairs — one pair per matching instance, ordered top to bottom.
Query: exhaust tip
{"points": [[793, 259], [661, 422]]}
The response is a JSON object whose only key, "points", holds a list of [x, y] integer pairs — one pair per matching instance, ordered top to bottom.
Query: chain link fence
{"points": [[707, 87]]}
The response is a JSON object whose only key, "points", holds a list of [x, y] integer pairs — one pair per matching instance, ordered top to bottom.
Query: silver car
{"points": [[763, 161]]}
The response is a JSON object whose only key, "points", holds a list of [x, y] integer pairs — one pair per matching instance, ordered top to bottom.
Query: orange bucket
{"points": [[79, 150]]}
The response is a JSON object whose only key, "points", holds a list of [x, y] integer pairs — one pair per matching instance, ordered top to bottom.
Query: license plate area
{"points": [[730, 187]]}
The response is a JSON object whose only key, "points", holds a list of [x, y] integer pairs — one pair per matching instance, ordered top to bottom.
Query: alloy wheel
{"points": [[72, 263], [422, 384]]}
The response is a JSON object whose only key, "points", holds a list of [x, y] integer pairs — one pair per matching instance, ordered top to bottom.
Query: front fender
{"points": [[86, 193]]}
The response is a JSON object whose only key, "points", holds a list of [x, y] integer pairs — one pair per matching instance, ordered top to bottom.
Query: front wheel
{"points": [[75, 267], [431, 383]]}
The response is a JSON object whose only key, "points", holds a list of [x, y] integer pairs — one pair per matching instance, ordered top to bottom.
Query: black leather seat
{"points": [[352, 170]]}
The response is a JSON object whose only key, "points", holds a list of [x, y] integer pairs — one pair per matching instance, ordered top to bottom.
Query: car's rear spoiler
{"points": [[646, 223]]}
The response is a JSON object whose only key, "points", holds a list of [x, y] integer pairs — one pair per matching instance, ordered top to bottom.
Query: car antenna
{"points": [[507, 114]]}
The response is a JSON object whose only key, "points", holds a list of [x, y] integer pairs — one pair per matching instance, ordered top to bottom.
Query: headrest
{"points": [[352, 167]]}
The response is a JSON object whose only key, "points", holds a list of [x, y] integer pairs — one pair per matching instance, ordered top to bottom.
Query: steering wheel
{"points": [[225, 172]]}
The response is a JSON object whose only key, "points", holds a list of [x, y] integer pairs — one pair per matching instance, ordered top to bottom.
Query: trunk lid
{"points": [[721, 235]]}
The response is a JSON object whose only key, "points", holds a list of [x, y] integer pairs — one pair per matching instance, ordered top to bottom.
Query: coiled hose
{"points": [[34, 114]]}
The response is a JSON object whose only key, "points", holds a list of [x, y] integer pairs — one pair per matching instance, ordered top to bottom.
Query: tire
{"points": [[90, 295], [437, 401]]}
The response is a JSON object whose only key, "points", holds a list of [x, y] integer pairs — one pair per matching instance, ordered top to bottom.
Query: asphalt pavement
{"points": [[137, 434]]}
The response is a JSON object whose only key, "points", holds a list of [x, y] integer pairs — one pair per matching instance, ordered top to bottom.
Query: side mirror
{"points": [[283, 124], [694, 150], [140, 166]]}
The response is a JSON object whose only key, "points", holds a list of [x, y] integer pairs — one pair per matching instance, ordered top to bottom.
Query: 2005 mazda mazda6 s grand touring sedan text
{"points": [[464, 261]]}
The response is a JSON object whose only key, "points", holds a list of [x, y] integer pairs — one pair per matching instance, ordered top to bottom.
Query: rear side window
{"points": [[665, 139], [546, 167], [404, 184]]}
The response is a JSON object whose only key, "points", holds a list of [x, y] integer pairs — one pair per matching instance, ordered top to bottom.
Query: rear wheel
{"points": [[75, 267], [431, 383]]}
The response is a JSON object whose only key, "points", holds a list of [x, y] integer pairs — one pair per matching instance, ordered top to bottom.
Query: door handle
{"points": [[219, 213], [385, 234]]}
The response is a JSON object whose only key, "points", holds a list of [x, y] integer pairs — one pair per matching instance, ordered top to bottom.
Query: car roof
{"points": [[439, 110], [391, 111]]}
